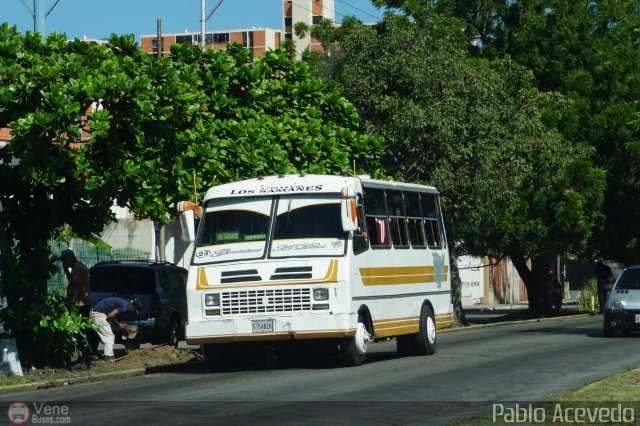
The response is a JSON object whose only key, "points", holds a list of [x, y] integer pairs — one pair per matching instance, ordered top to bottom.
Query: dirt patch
{"points": [[152, 356], [137, 359]]}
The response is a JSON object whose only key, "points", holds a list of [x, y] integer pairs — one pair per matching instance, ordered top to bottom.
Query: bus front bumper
{"points": [[265, 329]]}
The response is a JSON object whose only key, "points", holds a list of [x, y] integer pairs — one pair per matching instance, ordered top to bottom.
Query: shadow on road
{"points": [[319, 361]]}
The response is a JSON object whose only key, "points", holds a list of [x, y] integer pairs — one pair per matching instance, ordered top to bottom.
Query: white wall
{"points": [[131, 233], [472, 277]]}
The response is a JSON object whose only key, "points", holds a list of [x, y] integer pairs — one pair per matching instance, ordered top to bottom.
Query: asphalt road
{"points": [[472, 370]]}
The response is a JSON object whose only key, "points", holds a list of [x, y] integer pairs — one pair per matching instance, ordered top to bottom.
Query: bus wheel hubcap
{"points": [[431, 330], [362, 338]]}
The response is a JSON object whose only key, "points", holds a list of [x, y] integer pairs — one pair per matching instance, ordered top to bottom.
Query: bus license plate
{"points": [[637, 318], [262, 326]]}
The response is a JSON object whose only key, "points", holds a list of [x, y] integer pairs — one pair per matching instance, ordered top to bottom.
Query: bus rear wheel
{"points": [[426, 338], [353, 349]]}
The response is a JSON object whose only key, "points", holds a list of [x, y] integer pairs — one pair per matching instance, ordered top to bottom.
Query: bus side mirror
{"points": [[187, 213], [348, 214], [187, 226]]}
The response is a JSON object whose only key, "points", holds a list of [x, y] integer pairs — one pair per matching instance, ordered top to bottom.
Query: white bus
{"points": [[335, 260]]}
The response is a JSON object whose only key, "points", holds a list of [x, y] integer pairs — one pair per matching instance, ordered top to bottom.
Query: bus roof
{"points": [[367, 182], [304, 184]]}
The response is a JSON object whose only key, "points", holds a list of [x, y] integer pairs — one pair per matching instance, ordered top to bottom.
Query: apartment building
{"points": [[310, 12], [257, 40]]}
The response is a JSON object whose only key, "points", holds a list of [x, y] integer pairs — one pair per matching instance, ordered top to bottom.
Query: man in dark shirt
{"points": [[78, 277], [604, 277], [78, 290], [105, 312]]}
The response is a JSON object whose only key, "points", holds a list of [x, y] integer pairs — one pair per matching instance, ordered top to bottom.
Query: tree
{"points": [[588, 51], [160, 127], [511, 185]]}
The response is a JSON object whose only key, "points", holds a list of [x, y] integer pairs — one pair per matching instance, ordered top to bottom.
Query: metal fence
{"points": [[89, 255]]}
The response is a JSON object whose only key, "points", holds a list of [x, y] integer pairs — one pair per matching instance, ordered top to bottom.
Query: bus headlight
{"points": [[320, 294], [212, 299]]}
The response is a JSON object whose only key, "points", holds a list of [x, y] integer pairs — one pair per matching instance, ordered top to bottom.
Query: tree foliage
{"points": [[589, 52], [163, 129], [511, 184]]}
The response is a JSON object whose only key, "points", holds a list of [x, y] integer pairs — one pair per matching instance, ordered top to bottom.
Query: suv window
{"points": [[125, 279]]}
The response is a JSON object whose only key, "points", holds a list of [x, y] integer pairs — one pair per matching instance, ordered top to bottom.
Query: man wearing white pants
{"points": [[106, 312]]}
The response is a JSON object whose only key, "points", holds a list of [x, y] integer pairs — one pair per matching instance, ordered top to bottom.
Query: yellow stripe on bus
{"points": [[400, 275], [331, 276], [408, 325]]}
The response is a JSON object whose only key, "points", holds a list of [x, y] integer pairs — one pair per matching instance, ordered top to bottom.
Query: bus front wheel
{"points": [[426, 337], [353, 349]]}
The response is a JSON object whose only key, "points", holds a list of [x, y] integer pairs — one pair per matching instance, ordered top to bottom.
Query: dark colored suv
{"points": [[160, 289]]}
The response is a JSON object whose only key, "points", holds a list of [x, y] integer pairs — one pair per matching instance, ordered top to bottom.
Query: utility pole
{"points": [[38, 14], [204, 18], [203, 22], [159, 41]]}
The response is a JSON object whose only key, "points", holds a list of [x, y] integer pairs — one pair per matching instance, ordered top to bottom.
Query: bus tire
{"points": [[426, 338], [353, 349], [216, 357]]}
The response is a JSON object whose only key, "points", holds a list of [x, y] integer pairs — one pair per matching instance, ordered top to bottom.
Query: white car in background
{"points": [[622, 310]]}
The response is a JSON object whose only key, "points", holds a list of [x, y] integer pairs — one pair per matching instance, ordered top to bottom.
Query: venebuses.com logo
{"points": [[20, 413]]}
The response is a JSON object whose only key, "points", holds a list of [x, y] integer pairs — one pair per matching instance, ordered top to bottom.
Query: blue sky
{"points": [[99, 18]]}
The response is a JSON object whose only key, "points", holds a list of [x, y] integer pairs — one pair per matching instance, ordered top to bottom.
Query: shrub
{"points": [[588, 300], [48, 333]]}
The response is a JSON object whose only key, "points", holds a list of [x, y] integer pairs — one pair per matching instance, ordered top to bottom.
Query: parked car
{"points": [[160, 289], [622, 310]]}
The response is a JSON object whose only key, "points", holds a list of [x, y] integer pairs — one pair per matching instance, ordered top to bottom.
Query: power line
{"points": [[359, 10], [340, 14]]}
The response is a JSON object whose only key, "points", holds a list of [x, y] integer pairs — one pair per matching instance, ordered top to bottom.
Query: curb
{"points": [[496, 324], [115, 375], [55, 383]]}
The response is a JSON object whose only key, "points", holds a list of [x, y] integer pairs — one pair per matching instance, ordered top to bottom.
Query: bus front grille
{"points": [[265, 301]]}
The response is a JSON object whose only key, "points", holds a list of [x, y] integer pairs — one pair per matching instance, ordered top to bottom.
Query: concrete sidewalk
{"points": [[489, 314]]}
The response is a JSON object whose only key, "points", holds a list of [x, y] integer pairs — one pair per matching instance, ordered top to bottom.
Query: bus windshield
{"points": [[308, 226], [239, 229]]}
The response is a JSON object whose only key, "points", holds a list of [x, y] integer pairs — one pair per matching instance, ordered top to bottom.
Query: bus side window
{"points": [[376, 218], [414, 219], [397, 220], [431, 220], [361, 236]]}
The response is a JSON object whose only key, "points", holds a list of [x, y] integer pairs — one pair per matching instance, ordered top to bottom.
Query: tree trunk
{"points": [[4, 252], [535, 280], [459, 318]]}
